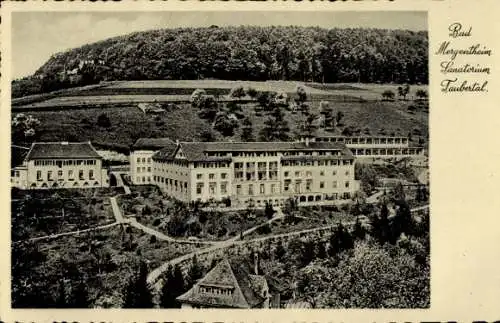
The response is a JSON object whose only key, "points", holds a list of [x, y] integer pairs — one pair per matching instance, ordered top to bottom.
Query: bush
{"points": [[156, 222], [152, 240]]}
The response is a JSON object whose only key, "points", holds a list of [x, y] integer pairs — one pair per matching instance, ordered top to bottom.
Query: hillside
{"points": [[240, 53]]}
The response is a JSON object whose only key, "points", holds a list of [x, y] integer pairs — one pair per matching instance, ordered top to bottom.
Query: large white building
{"points": [[141, 164], [60, 165], [255, 172]]}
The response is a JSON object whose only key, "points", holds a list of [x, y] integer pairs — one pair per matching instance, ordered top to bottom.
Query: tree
{"points": [[403, 91], [237, 92], [252, 92], [301, 94], [421, 94], [388, 95], [207, 108], [339, 117], [103, 121], [225, 125], [24, 127], [275, 127], [247, 131], [269, 211], [380, 225], [359, 231], [341, 240], [280, 250], [195, 271], [370, 278], [137, 293], [168, 294], [79, 296], [61, 300]]}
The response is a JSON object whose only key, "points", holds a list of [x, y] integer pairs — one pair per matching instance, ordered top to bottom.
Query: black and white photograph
{"points": [[220, 159]]}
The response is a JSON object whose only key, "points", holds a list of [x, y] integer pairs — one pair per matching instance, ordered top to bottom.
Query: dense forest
{"points": [[240, 53]]}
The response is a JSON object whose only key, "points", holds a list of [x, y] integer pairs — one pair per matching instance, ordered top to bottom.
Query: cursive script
{"points": [[465, 58]]}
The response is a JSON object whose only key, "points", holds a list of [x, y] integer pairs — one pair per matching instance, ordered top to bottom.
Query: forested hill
{"points": [[247, 53]]}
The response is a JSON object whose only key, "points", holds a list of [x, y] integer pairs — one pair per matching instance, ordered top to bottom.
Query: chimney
{"points": [[256, 263]]}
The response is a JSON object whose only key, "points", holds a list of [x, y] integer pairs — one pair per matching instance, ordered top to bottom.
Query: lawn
{"points": [[46, 212], [106, 259]]}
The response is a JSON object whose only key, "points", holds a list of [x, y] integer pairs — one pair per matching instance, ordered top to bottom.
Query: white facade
{"points": [[141, 166], [44, 168], [258, 177]]}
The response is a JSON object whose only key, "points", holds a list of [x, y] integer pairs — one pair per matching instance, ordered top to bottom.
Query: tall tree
{"points": [[275, 127], [137, 293]]}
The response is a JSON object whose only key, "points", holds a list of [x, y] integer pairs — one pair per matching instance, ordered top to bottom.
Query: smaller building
{"points": [[141, 154], [60, 165], [230, 284]]}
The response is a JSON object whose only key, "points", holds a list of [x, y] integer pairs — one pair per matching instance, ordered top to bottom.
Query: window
{"points": [[138, 159], [143, 159], [149, 159], [138, 169], [149, 169], [59, 173], [322, 173], [334, 173], [346, 173], [80, 174], [91, 174], [286, 174], [297, 174], [308, 174], [38, 175], [70, 175], [223, 175], [49, 176], [199, 176], [211, 176], [321, 184], [334, 184], [347, 184], [287, 185], [308, 185], [199, 188], [212, 188], [223, 188], [273, 188], [238, 189], [250, 189], [262, 189]]}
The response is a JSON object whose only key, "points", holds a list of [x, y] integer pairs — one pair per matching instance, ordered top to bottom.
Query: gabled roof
{"points": [[152, 143], [44, 150], [197, 151], [236, 276]]}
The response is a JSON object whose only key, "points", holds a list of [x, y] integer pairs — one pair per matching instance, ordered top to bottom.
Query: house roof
{"points": [[152, 143], [43, 150], [197, 151], [235, 275]]}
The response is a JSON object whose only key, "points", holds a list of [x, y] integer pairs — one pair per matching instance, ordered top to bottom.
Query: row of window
{"points": [[143, 160], [69, 162], [317, 163], [211, 165], [260, 165], [144, 169], [165, 170], [309, 173], [60, 175], [240, 175], [211, 176], [143, 179], [172, 184], [298, 185], [212, 188], [262, 189], [216, 290]]}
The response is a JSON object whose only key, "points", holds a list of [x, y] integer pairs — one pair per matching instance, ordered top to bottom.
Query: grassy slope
{"points": [[129, 123]]}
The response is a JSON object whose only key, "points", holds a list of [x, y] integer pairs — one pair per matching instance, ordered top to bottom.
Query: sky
{"points": [[38, 35]]}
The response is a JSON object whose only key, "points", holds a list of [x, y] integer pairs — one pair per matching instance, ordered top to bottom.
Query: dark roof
{"points": [[152, 143], [42, 150], [196, 151], [229, 275]]}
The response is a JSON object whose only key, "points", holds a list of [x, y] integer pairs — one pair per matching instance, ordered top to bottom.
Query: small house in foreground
{"points": [[232, 285]]}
